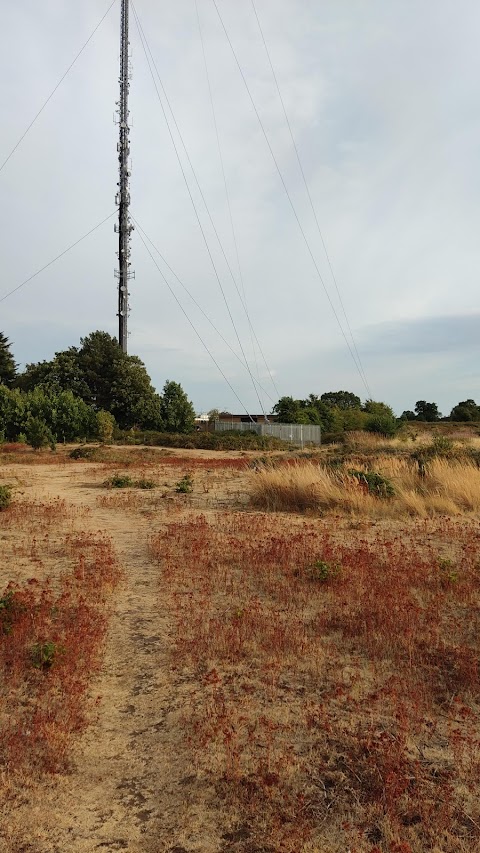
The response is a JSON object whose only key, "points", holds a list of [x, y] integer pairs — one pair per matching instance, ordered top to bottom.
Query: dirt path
{"points": [[132, 786]]}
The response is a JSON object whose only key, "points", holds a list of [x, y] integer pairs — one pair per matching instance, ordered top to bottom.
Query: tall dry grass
{"points": [[448, 487]]}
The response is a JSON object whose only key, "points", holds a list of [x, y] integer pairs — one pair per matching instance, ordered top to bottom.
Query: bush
{"points": [[382, 424], [105, 426], [39, 434], [441, 447], [84, 452], [119, 481], [124, 481], [144, 484], [375, 484], [185, 485], [5, 497], [321, 572], [43, 655]]}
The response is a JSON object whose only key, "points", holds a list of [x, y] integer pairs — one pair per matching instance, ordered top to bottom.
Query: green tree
{"points": [[99, 359], [8, 368], [62, 373], [103, 376], [133, 400], [341, 400], [42, 403], [372, 407], [176, 410], [288, 410], [427, 411], [465, 411], [12, 412], [308, 414], [408, 415], [73, 418], [331, 418], [380, 418], [352, 419], [383, 424], [105, 426], [39, 434]]}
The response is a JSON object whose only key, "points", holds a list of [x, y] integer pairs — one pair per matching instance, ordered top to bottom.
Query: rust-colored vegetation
{"points": [[52, 624], [336, 677]]}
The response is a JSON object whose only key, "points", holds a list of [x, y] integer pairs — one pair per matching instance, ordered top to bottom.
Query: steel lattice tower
{"points": [[124, 227]]}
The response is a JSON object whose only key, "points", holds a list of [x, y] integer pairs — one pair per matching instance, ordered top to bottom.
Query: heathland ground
{"points": [[224, 652]]}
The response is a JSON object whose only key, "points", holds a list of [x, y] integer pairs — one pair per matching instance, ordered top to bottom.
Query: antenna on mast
{"points": [[122, 199]]}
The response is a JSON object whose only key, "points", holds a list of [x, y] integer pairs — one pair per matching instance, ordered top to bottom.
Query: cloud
{"points": [[386, 121], [456, 335]]}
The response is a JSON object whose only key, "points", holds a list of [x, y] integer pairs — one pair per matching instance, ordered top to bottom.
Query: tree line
{"points": [[89, 390], [86, 391], [337, 411]]}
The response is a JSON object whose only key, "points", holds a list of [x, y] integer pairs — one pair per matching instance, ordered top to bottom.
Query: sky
{"points": [[382, 98]]}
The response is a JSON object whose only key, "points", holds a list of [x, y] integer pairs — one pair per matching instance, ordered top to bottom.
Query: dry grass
{"points": [[447, 486], [333, 680]]}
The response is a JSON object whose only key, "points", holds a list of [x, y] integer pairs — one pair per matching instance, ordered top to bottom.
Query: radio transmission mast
{"points": [[124, 227]]}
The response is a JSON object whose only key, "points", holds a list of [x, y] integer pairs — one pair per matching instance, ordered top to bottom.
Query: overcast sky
{"points": [[384, 103]]}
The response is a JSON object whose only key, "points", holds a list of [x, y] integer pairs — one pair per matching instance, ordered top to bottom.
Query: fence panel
{"points": [[299, 434]]}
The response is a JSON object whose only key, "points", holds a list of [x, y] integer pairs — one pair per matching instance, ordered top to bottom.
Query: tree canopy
{"points": [[8, 368], [104, 377], [341, 399], [176, 410], [317, 410], [337, 411], [427, 411], [465, 411], [63, 414]]}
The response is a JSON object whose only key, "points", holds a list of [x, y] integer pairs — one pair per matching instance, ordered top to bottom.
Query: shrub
{"points": [[382, 424], [105, 426], [39, 434], [441, 447], [84, 452], [119, 481], [124, 481], [144, 484], [375, 484], [185, 485], [5, 497], [321, 571], [448, 571], [6, 601], [44, 655]]}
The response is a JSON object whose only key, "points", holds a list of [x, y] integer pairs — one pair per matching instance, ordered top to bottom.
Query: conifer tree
{"points": [[8, 368]]}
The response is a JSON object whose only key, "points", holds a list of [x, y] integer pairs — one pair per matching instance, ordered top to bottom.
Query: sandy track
{"points": [[132, 786]]}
